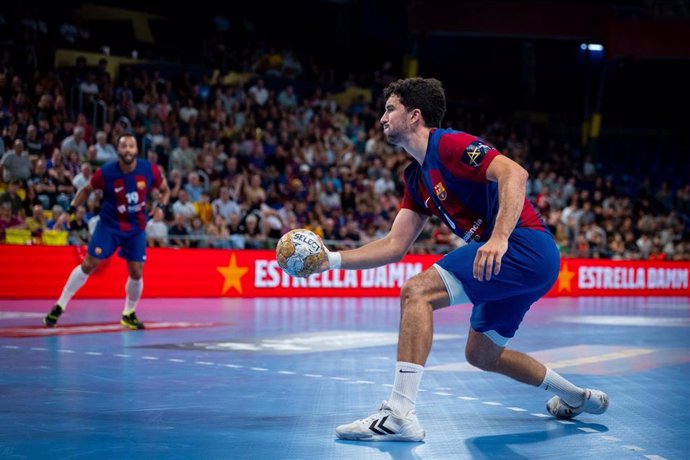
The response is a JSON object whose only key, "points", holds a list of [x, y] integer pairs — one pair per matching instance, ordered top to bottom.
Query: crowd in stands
{"points": [[251, 158]]}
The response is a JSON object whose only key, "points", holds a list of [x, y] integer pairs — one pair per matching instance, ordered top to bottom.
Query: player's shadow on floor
{"points": [[501, 446], [396, 450]]}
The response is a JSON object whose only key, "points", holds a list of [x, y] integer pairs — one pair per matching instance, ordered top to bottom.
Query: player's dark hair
{"points": [[425, 94]]}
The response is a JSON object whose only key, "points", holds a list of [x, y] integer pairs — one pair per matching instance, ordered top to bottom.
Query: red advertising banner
{"points": [[41, 271], [594, 277]]}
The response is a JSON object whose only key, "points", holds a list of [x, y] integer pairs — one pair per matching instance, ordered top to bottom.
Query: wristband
{"points": [[334, 260]]}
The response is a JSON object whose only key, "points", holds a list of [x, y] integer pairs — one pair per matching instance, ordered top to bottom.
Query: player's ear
{"points": [[415, 115]]}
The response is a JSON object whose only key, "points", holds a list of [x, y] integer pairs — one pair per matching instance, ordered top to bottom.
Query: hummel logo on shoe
{"points": [[384, 425], [373, 427]]}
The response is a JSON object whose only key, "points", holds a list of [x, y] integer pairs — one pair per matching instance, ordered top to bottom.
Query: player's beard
{"points": [[127, 159]]}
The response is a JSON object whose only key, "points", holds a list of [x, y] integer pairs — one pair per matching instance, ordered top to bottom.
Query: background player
{"points": [[125, 185], [509, 260]]}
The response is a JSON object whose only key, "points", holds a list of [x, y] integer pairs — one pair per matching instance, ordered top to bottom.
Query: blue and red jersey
{"points": [[454, 170], [123, 206]]}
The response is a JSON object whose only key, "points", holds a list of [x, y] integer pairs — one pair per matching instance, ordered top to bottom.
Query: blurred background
{"points": [[264, 116]]}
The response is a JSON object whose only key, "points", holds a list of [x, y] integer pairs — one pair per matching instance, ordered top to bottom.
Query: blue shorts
{"points": [[106, 240], [528, 271]]}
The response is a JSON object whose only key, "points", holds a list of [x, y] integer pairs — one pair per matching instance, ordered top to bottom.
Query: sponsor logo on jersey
{"points": [[474, 153], [440, 191]]}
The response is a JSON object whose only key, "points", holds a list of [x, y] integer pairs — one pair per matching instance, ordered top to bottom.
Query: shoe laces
{"points": [[384, 408]]}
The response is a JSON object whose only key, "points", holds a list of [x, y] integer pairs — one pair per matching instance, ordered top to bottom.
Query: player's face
{"points": [[394, 120], [127, 150]]}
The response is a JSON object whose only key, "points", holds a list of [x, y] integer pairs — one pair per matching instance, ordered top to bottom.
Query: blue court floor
{"points": [[272, 378]]}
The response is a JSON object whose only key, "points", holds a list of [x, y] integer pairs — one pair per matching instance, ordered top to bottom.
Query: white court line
{"points": [[600, 358], [587, 429], [611, 438]]}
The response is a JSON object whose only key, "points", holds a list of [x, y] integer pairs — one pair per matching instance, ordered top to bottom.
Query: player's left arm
{"points": [[511, 179], [160, 184]]}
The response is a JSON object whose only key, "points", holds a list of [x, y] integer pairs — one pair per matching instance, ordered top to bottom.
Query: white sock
{"points": [[75, 281], [133, 289], [404, 394], [571, 394]]}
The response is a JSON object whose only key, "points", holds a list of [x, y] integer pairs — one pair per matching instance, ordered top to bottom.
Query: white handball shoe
{"points": [[595, 402], [384, 425]]}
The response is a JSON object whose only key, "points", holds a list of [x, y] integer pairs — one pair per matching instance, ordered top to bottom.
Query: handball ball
{"points": [[300, 252]]}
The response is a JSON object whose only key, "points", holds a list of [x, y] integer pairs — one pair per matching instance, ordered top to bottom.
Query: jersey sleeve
{"points": [[466, 156], [156, 175], [97, 180], [409, 203]]}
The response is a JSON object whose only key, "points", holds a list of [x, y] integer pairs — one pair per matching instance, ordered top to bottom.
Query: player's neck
{"points": [[417, 144], [127, 168]]}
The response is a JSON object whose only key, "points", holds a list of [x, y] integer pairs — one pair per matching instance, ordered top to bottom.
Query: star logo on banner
{"points": [[233, 275], [565, 279]]}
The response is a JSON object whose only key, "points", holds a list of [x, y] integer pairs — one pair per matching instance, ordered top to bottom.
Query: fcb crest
{"points": [[474, 153], [141, 185], [440, 191]]}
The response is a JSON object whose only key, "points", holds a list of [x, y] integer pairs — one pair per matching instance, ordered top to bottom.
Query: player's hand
{"points": [[155, 207], [488, 258]]}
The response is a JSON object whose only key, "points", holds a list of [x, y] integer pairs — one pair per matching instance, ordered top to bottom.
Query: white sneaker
{"points": [[595, 402], [384, 425]]}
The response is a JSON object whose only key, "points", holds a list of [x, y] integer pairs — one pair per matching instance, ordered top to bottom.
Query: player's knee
{"points": [[89, 264], [412, 292], [479, 358]]}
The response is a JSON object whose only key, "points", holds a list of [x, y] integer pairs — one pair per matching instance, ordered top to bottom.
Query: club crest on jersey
{"points": [[474, 153], [141, 185], [440, 191]]}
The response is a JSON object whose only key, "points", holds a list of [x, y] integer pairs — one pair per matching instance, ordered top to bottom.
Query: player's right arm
{"points": [[96, 182], [81, 196], [391, 248]]}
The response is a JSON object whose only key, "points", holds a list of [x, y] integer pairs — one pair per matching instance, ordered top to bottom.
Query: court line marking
{"points": [[624, 353], [600, 358]]}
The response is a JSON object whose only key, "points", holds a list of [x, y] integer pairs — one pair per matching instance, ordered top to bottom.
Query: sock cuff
{"points": [[133, 281], [409, 366]]}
